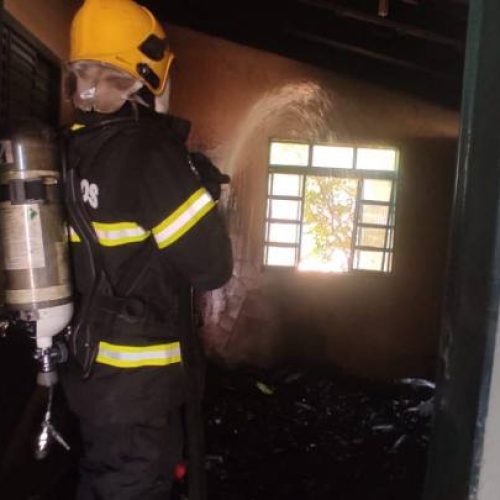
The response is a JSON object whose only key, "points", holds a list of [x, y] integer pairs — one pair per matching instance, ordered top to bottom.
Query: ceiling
{"points": [[413, 45]]}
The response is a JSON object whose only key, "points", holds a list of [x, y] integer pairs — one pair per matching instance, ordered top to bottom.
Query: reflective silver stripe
{"points": [[183, 218], [119, 233], [115, 234], [123, 356]]}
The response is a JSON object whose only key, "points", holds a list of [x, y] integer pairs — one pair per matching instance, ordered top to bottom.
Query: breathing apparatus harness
{"points": [[102, 299]]}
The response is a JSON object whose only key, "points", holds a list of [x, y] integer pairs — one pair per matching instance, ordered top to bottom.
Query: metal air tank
{"points": [[34, 240]]}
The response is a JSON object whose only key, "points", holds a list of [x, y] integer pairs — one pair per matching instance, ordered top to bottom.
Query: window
{"points": [[29, 77], [330, 208]]}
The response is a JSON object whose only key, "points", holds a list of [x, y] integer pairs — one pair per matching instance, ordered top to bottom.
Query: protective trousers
{"points": [[130, 462]]}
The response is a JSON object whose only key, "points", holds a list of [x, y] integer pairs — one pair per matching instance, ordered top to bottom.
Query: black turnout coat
{"points": [[155, 232]]}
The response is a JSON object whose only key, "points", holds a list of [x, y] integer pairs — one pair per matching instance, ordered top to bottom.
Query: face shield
{"points": [[93, 86]]}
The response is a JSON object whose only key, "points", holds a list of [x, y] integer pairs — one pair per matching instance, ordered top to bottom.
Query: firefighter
{"points": [[144, 230]]}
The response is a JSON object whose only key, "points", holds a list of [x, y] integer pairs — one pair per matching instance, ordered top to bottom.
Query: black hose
{"points": [[194, 364]]}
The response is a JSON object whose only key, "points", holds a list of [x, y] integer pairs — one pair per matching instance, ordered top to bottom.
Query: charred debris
{"points": [[315, 435]]}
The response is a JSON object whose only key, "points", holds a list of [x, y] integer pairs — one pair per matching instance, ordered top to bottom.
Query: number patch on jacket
{"points": [[90, 193]]}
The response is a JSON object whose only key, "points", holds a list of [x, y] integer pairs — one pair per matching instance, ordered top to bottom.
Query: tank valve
{"points": [[48, 358]]}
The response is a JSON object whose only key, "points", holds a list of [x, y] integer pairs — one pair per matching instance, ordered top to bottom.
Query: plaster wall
{"points": [[238, 98]]}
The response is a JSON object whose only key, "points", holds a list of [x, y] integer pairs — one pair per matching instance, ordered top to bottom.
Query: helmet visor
{"points": [[99, 87]]}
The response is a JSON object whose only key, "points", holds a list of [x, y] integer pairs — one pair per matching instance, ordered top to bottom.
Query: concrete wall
{"points": [[238, 98]]}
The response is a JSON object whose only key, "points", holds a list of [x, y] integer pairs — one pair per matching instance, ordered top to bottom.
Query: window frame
{"points": [[51, 61], [388, 250]]}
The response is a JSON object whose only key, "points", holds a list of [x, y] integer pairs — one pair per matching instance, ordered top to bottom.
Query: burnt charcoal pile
{"points": [[292, 434]]}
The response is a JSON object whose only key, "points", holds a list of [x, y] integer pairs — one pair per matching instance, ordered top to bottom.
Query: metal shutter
{"points": [[29, 80]]}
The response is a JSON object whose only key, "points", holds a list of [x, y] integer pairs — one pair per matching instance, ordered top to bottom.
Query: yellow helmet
{"points": [[125, 35]]}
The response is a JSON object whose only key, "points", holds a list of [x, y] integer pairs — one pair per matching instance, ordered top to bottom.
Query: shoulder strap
{"points": [[80, 219], [133, 270]]}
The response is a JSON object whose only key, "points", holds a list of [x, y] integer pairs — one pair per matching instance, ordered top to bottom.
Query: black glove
{"points": [[210, 176]]}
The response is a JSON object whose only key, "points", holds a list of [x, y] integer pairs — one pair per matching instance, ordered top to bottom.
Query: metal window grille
{"points": [[29, 78], [370, 214]]}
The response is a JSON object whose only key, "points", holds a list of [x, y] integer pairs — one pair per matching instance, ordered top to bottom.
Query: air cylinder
{"points": [[34, 237]]}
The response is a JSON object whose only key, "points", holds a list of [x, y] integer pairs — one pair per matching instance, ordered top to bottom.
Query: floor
{"points": [[289, 433], [293, 433]]}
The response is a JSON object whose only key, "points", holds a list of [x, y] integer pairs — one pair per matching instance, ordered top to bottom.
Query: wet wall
{"points": [[371, 325]]}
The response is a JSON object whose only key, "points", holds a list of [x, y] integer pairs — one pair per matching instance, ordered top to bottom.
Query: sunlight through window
{"points": [[283, 153], [333, 157], [376, 159], [324, 215]]}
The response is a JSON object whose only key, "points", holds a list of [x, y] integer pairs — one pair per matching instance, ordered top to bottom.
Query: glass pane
{"points": [[284, 153], [333, 157], [376, 159], [286, 185], [377, 190], [329, 208], [284, 209], [374, 214], [283, 233], [371, 237], [279, 256], [368, 260]]}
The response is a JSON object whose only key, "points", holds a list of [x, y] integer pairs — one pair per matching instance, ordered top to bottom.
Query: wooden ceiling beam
{"points": [[384, 22], [360, 51]]}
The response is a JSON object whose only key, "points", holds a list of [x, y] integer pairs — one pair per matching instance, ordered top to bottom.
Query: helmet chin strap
{"points": [[162, 102]]}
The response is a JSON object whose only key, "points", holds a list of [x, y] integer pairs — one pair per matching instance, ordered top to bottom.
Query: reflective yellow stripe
{"points": [[76, 126], [183, 218], [119, 233], [115, 234], [73, 237], [124, 356]]}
